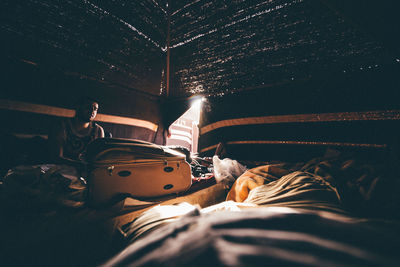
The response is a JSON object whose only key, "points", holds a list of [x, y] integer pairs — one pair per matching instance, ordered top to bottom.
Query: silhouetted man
{"points": [[69, 138]]}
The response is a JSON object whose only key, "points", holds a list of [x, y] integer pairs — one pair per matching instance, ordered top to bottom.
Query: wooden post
{"points": [[168, 45]]}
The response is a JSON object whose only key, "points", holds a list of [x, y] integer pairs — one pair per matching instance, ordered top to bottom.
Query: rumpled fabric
{"points": [[46, 186], [368, 187], [297, 190], [302, 214], [45, 220], [265, 236]]}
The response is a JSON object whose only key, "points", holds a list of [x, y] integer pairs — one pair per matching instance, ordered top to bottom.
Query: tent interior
{"points": [[280, 81]]}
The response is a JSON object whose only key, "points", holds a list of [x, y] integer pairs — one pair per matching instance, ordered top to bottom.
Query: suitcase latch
{"points": [[110, 170]]}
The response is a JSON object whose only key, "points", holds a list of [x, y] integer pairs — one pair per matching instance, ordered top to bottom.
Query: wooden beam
{"points": [[36, 108], [69, 113], [322, 117], [127, 121], [268, 142]]}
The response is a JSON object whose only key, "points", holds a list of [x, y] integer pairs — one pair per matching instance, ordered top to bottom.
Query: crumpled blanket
{"points": [[362, 185], [368, 185], [45, 186], [300, 190], [315, 213], [45, 219], [264, 236]]}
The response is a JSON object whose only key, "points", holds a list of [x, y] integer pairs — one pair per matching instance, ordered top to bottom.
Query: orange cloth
{"points": [[253, 178]]}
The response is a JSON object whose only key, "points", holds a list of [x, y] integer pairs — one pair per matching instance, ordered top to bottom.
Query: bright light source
{"points": [[197, 104], [184, 131]]}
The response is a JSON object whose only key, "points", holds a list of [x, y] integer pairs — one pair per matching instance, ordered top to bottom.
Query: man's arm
{"points": [[101, 132], [56, 141]]}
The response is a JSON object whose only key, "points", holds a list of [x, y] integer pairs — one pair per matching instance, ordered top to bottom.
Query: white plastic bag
{"points": [[227, 170]]}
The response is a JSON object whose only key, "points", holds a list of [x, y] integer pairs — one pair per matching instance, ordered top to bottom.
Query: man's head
{"points": [[86, 110]]}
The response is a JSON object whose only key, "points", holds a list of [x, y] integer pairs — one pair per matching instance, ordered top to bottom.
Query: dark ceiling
{"points": [[115, 42], [216, 47], [221, 47]]}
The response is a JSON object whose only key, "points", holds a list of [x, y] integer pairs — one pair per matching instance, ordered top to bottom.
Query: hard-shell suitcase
{"points": [[135, 168]]}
